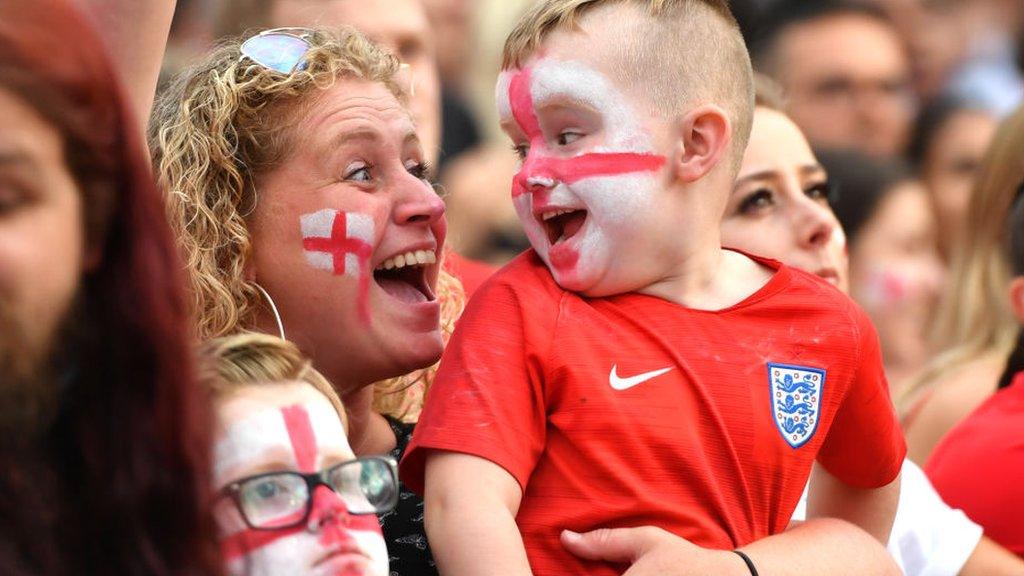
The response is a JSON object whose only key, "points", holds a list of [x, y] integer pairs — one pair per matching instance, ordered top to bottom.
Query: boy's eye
{"points": [[568, 137], [521, 150], [359, 173], [823, 192], [757, 200]]}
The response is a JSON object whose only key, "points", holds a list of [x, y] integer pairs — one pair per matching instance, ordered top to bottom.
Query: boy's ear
{"points": [[705, 135], [1017, 297]]}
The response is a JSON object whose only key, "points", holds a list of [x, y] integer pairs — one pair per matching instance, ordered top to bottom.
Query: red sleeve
{"points": [[488, 396], [865, 446]]}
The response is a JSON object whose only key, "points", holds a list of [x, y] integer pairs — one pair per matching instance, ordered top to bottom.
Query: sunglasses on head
{"points": [[281, 49], [284, 50]]}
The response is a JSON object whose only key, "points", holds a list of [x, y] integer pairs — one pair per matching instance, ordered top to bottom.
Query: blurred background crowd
{"points": [[913, 107]]}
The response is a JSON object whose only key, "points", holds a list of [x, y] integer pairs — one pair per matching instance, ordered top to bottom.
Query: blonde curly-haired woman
{"points": [[297, 185]]}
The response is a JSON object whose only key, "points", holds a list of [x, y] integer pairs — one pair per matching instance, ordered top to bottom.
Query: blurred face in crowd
{"points": [[451, 21], [401, 27], [848, 82], [949, 168], [779, 205], [41, 229], [347, 235], [895, 271], [287, 427]]}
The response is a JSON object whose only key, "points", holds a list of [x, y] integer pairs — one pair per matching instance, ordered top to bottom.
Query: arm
{"points": [[136, 35], [471, 505], [872, 509], [822, 546], [991, 559]]}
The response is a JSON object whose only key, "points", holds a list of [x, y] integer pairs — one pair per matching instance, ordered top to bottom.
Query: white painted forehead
{"points": [[559, 79], [266, 431]]}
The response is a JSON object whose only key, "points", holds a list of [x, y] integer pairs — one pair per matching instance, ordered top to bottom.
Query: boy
{"points": [[628, 370]]}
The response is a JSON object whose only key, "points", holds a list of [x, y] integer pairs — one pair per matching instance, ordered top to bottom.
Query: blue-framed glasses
{"points": [[281, 49]]}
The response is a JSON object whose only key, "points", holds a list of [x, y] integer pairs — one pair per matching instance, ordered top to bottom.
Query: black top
{"points": [[403, 527]]}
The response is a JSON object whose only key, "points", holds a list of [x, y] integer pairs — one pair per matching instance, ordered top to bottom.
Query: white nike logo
{"points": [[619, 383]]}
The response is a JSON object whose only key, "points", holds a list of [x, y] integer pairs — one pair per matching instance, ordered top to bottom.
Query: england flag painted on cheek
{"points": [[341, 243], [796, 401]]}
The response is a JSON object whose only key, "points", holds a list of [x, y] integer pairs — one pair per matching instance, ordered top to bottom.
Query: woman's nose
{"points": [[420, 204], [816, 225]]}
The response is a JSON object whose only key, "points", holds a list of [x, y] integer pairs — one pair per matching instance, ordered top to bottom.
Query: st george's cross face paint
{"points": [[589, 172], [341, 243], [332, 542]]}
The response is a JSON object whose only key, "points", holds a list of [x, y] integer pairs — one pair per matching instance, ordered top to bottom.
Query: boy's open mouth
{"points": [[562, 225], [404, 276]]}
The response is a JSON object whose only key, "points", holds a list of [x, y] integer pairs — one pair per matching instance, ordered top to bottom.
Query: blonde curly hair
{"points": [[215, 130]]}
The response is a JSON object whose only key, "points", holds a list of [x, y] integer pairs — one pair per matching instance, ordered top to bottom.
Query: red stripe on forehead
{"points": [[521, 101], [570, 170], [300, 432]]}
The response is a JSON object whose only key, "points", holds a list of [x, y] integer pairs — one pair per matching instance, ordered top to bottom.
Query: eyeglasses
{"points": [[281, 49], [279, 500]]}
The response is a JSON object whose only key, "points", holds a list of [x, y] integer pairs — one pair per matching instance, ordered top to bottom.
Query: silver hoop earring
{"points": [[273, 308]]}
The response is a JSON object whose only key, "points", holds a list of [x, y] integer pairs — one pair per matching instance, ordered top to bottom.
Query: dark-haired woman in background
{"points": [[947, 148], [895, 271], [104, 458]]}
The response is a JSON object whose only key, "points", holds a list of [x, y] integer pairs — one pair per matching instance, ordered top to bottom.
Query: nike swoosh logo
{"points": [[619, 383]]}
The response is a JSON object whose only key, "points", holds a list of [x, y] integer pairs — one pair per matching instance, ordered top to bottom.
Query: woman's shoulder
{"points": [[948, 400]]}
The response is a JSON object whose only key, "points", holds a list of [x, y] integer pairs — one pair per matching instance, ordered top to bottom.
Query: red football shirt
{"points": [[632, 410], [979, 466]]}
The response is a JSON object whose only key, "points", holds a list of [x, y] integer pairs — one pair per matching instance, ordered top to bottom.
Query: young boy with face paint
{"points": [[628, 370], [278, 420]]}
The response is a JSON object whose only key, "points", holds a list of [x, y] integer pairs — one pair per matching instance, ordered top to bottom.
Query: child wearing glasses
{"points": [[628, 370], [291, 498]]}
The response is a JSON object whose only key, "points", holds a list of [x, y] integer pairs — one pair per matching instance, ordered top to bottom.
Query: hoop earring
{"points": [[273, 308]]}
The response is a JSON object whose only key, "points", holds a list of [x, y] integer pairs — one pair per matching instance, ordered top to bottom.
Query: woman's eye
{"points": [[568, 137], [420, 170], [359, 174], [823, 192], [757, 200]]}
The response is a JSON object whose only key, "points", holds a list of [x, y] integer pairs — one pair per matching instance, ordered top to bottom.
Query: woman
{"points": [[948, 145], [297, 187], [780, 208], [896, 274], [974, 328], [105, 457], [273, 513]]}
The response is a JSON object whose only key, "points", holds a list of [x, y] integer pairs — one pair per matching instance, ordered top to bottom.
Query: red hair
{"points": [[131, 441]]}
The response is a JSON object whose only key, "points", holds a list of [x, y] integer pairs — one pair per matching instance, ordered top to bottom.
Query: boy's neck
{"points": [[711, 278]]}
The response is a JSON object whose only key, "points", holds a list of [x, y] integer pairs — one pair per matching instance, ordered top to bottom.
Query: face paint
{"points": [[604, 186], [341, 243], [887, 288], [332, 542]]}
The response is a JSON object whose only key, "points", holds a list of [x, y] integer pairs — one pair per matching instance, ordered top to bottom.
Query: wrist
{"points": [[727, 563]]}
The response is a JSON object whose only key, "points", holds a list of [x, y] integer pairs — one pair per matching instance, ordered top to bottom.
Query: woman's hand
{"points": [[652, 551]]}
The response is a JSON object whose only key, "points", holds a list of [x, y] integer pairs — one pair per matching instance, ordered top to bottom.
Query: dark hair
{"points": [[765, 34], [931, 120], [861, 183], [1015, 249], [129, 448]]}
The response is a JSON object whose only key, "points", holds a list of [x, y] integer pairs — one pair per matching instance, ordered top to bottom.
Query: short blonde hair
{"points": [[686, 52], [217, 128], [232, 363]]}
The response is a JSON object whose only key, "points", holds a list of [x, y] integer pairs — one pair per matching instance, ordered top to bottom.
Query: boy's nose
{"points": [[328, 507]]}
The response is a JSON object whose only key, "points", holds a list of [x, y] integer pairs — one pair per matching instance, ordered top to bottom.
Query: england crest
{"points": [[796, 400]]}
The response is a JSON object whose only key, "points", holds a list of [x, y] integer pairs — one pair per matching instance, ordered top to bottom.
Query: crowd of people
{"points": [[418, 287]]}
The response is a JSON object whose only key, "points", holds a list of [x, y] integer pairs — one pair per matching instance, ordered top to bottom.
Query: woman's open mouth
{"points": [[561, 225], [405, 276]]}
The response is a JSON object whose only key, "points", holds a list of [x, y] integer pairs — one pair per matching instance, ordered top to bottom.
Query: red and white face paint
{"points": [[590, 172], [341, 243], [332, 542]]}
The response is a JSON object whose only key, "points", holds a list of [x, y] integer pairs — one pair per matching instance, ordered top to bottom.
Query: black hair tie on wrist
{"points": [[748, 562]]}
